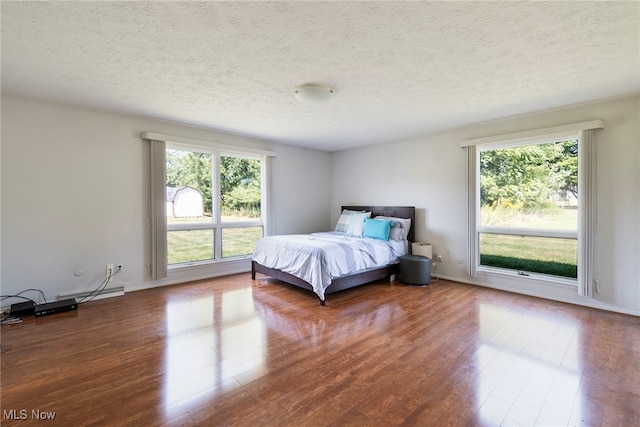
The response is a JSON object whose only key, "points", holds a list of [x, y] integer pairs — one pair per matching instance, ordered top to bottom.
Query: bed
{"points": [[274, 257]]}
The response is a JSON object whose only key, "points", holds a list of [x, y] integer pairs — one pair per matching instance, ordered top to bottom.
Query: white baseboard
{"points": [[181, 279], [116, 291], [582, 301]]}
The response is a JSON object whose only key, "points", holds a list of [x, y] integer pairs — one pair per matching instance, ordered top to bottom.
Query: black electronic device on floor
{"points": [[55, 307], [22, 309]]}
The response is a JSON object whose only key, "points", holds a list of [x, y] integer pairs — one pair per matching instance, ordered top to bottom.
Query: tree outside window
{"points": [[529, 208], [231, 219]]}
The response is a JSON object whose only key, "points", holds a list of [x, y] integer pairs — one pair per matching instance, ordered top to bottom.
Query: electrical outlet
{"points": [[439, 258], [110, 272]]}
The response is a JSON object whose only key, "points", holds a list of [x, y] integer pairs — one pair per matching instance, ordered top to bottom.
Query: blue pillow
{"points": [[377, 228]]}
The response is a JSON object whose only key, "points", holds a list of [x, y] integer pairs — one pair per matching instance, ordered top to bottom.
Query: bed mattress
{"points": [[319, 258]]}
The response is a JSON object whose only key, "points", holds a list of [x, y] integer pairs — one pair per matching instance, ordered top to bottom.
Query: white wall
{"points": [[431, 174], [74, 195], [302, 203]]}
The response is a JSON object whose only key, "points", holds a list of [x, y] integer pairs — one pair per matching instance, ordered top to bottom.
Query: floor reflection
{"points": [[295, 324], [325, 329], [211, 341], [528, 367]]}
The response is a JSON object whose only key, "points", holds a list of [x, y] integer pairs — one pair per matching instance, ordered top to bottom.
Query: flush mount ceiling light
{"points": [[314, 92]]}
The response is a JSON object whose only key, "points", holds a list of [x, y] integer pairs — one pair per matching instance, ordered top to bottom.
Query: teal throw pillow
{"points": [[377, 228]]}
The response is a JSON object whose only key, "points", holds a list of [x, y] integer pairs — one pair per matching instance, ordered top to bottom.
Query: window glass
{"points": [[534, 186], [189, 187], [240, 189], [214, 205], [528, 207], [240, 240], [187, 246], [555, 256]]}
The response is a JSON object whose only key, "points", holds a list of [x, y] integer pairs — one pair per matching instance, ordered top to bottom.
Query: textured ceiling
{"points": [[400, 69]]}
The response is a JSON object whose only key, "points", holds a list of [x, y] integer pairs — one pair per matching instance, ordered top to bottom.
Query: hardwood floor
{"points": [[231, 351]]}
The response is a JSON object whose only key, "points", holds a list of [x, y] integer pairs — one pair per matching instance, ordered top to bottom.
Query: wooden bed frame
{"points": [[354, 279]]}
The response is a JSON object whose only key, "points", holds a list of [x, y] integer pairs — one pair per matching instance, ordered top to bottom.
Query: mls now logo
{"points": [[23, 414]]}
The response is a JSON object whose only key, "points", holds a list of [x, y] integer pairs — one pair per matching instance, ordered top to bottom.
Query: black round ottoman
{"points": [[415, 269]]}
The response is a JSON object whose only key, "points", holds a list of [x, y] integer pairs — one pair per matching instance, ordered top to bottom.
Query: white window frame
{"points": [[587, 222], [514, 231], [157, 267]]}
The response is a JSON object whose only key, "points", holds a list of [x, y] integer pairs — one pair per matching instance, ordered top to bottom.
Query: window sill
{"points": [[207, 263], [207, 269], [527, 277]]}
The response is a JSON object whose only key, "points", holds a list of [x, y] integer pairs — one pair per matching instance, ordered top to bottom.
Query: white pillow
{"points": [[345, 220], [356, 223], [399, 229]]}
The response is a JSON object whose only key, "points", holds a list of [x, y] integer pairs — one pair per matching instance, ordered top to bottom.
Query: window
{"points": [[208, 202], [213, 205], [532, 205], [528, 208]]}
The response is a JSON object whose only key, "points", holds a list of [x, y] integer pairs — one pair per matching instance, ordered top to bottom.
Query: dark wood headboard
{"points": [[396, 211]]}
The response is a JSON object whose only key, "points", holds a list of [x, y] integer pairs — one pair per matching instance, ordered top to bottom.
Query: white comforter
{"points": [[318, 258]]}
